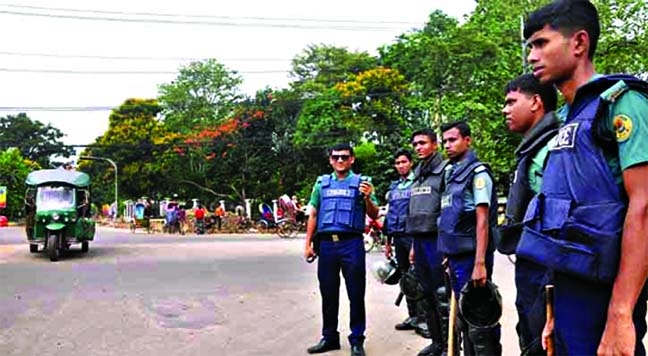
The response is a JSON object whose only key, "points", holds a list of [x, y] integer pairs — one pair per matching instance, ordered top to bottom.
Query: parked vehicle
{"points": [[57, 207], [140, 219], [284, 227]]}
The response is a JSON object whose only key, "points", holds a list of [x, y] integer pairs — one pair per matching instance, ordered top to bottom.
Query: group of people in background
{"points": [[576, 213]]}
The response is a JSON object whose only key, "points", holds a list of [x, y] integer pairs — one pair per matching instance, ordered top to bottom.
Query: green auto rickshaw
{"points": [[57, 207]]}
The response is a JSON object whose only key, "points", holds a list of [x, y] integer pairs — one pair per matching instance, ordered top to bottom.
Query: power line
{"points": [[247, 18], [201, 22], [143, 58], [101, 72], [368, 96], [57, 108]]}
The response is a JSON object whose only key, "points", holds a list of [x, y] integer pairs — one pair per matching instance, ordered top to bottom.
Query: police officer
{"points": [[528, 109], [340, 201], [468, 211], [589, 222], [421, 224], [394, 226]]}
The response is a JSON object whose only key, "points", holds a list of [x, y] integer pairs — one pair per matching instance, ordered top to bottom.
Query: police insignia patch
{"points": [[622, 127], [480, 183]]}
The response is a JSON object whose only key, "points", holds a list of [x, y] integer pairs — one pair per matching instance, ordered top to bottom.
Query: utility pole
{"points": [[93, 158]]}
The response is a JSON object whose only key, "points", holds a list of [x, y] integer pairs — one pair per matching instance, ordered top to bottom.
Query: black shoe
{"points": [[407, 324], [422, 330], [324, 346], [357, 350], [431, 350]]}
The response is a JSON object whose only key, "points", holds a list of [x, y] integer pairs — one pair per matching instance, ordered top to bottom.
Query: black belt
{"points": [[338, 236]]}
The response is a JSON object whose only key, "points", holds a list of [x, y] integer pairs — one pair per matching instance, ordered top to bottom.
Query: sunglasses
{"points": [[338, 157]]}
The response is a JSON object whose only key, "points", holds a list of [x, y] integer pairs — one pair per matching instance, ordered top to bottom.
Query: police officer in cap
{"points": [[528, 109], [340, 201], [468, 212], [589, 222], [421, 224], [394, 227]]}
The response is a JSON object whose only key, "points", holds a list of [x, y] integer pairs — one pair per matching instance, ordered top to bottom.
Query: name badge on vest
{"points": [[565, 139], [421, 190], [338, 193], [400, 194], [446, 201]]}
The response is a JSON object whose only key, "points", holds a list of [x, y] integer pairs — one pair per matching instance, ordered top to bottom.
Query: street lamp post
{"points": [[93, 158]]}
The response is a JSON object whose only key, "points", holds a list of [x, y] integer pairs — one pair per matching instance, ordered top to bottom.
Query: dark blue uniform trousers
{"points": [[402, 245], [349, 257], [428, 264], [530, 281], [580, 309]]}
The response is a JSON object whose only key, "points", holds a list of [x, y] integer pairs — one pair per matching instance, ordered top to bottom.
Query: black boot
{"points": [[443, 308], [433, 319], [421, 325], [461, 334], [485, 341]]}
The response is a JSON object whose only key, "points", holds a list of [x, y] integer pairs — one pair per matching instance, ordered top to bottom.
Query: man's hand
{"points": [[366, 188], [388, 251], [309, 252], [412, 257], [479, 274], [547, 333], [618, 337]]}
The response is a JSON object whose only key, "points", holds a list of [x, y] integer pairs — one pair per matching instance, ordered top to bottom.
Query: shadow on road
{"points": [[76, 253]]}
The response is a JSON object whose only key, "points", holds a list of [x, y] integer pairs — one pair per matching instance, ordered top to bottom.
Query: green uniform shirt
{"points": [[627, 120], [536, 168], [405, 183], [480, 193], [315, 194]]}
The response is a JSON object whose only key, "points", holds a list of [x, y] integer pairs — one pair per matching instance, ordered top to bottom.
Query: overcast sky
{"points": [[241, 34]]}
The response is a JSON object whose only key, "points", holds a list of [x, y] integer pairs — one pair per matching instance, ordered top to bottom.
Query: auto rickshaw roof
{"points": [[48, 176]]}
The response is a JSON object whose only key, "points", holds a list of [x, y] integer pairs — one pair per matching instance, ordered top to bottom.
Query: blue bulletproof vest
{"points": [[341, 207], [398, 207], [575, 224], [457, 227]]}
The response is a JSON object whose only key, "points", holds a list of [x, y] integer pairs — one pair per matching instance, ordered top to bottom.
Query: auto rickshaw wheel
{"points": [[85, 246], [33, 248], [52, 248]]}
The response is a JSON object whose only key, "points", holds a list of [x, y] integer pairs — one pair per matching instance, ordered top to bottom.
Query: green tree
{"points": [[622, 47], [319, 67], [202, 94], [35, 140], [138, 143], [14, 168]]}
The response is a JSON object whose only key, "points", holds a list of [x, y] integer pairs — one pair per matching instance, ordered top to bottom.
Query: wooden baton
{"points": [[549, 288], [451, 323]]}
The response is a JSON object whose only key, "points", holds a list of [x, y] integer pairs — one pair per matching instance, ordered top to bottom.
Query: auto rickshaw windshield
{"points": [[54, 198]]}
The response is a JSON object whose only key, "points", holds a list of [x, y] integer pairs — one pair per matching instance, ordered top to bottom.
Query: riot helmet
{"points": [[386, 271], [410, 286], [480, 306]]}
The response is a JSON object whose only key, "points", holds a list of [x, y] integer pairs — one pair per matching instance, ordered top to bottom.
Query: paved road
{"points": [[138, 294]]}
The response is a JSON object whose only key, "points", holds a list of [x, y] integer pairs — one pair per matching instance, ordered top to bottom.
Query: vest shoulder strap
{"points": [[441, 167], [475, 167], [325, 180], [355, 180], [394, 185]]}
